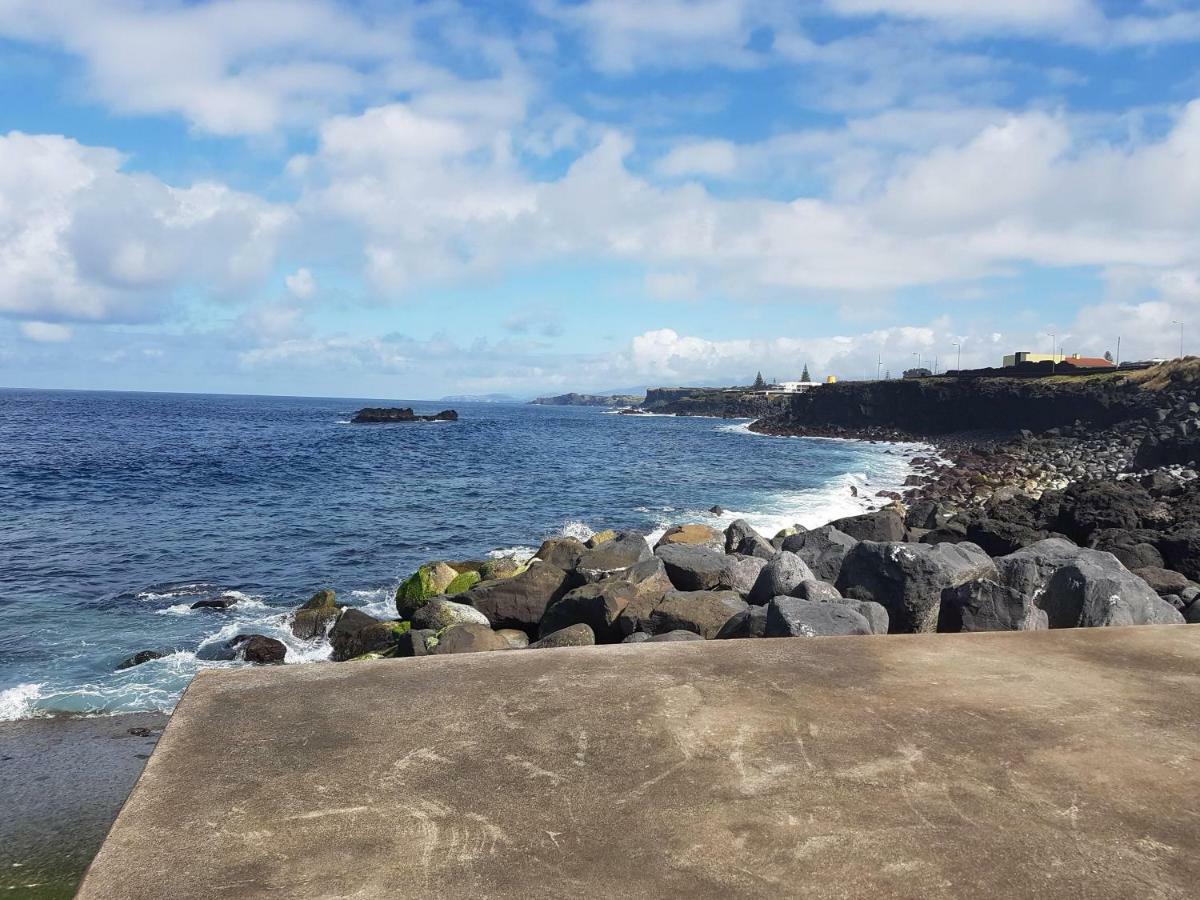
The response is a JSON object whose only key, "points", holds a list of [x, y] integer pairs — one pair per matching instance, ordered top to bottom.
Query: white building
{"points": [[797, 387]]}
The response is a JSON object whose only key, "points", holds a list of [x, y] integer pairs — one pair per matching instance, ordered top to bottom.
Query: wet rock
{"points": [[781, 575], [908, 579], [225, 601], [521, 601], [596, 605], [984, 605], [704, 612], [439, 613], [315, 616], [793, 617], [357, 633], [572, 636], [470, 639], [416, 642], [259, 649], [142, 656]]}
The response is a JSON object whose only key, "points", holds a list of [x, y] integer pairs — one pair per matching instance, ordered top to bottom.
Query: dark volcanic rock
{"points": [[374, 414], [1090, 506], [884, 525], [691, 534], [998, 537], [742, 539], [823, 549], [1136, 549], [1181, 550], [622, 551], [561, 552], [694, 567], [1029, 570], [743, 572], [782, 575], [908, 579], [1163, 581], [650, 585], [1096, 590], [819, 591], [226, 601], [521, 601], [596, 605], [987, 606], [704, 612], [315, 616], [793, 617], [749, 623], [357, 633], [578, 635], [671, 637], [469, 639], [414, 642], [259, 649], [142, 656]]}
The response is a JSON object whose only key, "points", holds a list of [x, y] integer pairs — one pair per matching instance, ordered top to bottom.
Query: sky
{"points": [[409, 200]]}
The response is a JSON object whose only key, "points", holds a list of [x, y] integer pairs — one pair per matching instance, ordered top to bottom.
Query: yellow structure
{"points": [[1013, 358], [831, 379]]}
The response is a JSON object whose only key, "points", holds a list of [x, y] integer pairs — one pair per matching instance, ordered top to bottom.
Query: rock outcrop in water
{"points": [[374, 414]]}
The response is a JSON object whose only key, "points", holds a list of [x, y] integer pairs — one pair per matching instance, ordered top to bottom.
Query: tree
{"points": [[1108, 355], [804, 374], [759, 384]]}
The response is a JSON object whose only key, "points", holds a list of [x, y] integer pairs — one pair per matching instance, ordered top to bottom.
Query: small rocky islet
{"points": [[1091, 524]]}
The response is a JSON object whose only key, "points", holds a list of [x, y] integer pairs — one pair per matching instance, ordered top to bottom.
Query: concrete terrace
{"points": [[1040, 764]]}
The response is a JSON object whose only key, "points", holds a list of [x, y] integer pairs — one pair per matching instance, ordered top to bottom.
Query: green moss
{"points": [[463, 582], [326, 599], [400, 628]]}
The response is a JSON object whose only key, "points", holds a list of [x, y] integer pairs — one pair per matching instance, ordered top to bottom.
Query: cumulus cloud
{"points": [[82, 240], [301, 284], [45, 332]]}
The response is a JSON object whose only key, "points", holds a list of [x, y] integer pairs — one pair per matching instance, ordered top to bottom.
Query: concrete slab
{"points": [[1044, 764]]}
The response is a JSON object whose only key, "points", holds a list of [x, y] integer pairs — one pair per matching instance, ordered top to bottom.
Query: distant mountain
{"points": [[479, 398], [590, 400]]}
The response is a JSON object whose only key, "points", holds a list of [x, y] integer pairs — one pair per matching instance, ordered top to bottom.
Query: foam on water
{"points": [[18, 702]]}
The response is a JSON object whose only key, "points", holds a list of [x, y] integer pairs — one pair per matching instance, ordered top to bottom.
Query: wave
{"points": [[18, 702]]}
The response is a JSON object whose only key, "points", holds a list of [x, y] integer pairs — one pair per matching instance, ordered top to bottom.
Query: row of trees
{"points": [[760, 383]]}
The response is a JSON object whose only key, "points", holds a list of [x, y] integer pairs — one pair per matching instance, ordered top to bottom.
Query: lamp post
{"points": [[1180, 324], [958, 347], [1053, 354]]}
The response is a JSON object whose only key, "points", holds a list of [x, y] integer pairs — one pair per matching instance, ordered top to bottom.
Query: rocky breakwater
{"points": [[373, 414]]}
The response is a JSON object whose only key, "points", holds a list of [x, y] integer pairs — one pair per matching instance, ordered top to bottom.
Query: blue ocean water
{"points": [[122, 509]]}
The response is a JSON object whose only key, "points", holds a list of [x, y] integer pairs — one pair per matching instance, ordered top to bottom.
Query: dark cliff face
{"points": [[713, 402], [933, 406]]}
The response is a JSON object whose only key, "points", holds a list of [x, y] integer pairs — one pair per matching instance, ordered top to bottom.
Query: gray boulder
{"points": [[882, 526], [741, 538], [823, 549], [561, 552], [618, 553], [695, 567], [1028, 570], [742, 573], [781, 575], [908, 579], [1163, 581], [650, 584], [1096, 590], [820, 591], [521, 601], [596, 605], [984, 605], [704, 612], [873, 612], [439, 613], [793, 617], [313, 618], [749, 623], [344, 634], [572, 636], [638, 637], [671, 637], [469, 638], [517, 639], [415, 642], [260, 649]]}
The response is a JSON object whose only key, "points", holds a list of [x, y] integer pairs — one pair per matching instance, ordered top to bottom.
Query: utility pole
{"points": [[1180, 324], [958, 347], [1118, 351], [1053, 354], [878, 366]]}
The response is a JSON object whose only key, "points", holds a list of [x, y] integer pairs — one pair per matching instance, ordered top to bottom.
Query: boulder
{"points": [[1086, 507], [926, 514], [885, 525], [738, 531], [691, 534], [600, 537], [998, 537], [742, 539], [823, 549], [1136, 549], [1181, 551], [561, 552], [616, 554], [504, 567], [695, 567], [1028, 570], [742, 573], [781, 575], [908, 579], [430, 580], [1163, 581], [463, 582], [650, 585], [1096, 590], [818, 591], [225, 601], [521, 601], [596, 605], [984, 605], [704, 612], [439, 613], [316, 615], [1191, 615], [876, 616], [793, 617], [749, 623], [357, 633], [578, 635], [638, 637], [671, 637], [469, 638], [516, 638], [416, 642], [259, 649], [142, 656]]}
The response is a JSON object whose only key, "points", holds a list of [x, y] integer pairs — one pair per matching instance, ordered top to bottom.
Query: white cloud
{"points": [[1014, 13], [700, 158], [79, 239], [301, 284], [45, 332]]}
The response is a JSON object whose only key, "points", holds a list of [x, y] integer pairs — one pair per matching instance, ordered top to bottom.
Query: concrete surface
{"points": [[1040, 764], [62, 782]]}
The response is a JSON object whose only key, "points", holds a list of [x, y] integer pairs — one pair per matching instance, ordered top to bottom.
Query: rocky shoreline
{"points": [[1087, 523]]}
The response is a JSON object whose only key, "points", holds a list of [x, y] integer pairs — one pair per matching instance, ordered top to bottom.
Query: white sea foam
{"points": [[581, 531], [519, 553], [18, 702]]}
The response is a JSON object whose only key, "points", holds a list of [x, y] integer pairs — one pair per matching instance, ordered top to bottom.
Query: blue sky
{"points": [[409, 200]]}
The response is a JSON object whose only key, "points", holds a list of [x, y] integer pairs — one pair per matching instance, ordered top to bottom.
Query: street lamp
{"points": [[1180, 324], [958, 347], [1053, 354]]}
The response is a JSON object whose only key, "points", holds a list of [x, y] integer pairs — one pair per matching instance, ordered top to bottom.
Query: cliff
{"points": [[588, 400], [715, 402]]}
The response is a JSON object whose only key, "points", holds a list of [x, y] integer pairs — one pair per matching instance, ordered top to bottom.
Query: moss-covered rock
{"points": [[601, 537], [505, 567], [431, 580], [463, 582], [439, 614], [315, 615]]}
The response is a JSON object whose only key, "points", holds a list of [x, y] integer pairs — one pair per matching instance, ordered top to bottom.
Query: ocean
{"points": [[123, 509]]}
